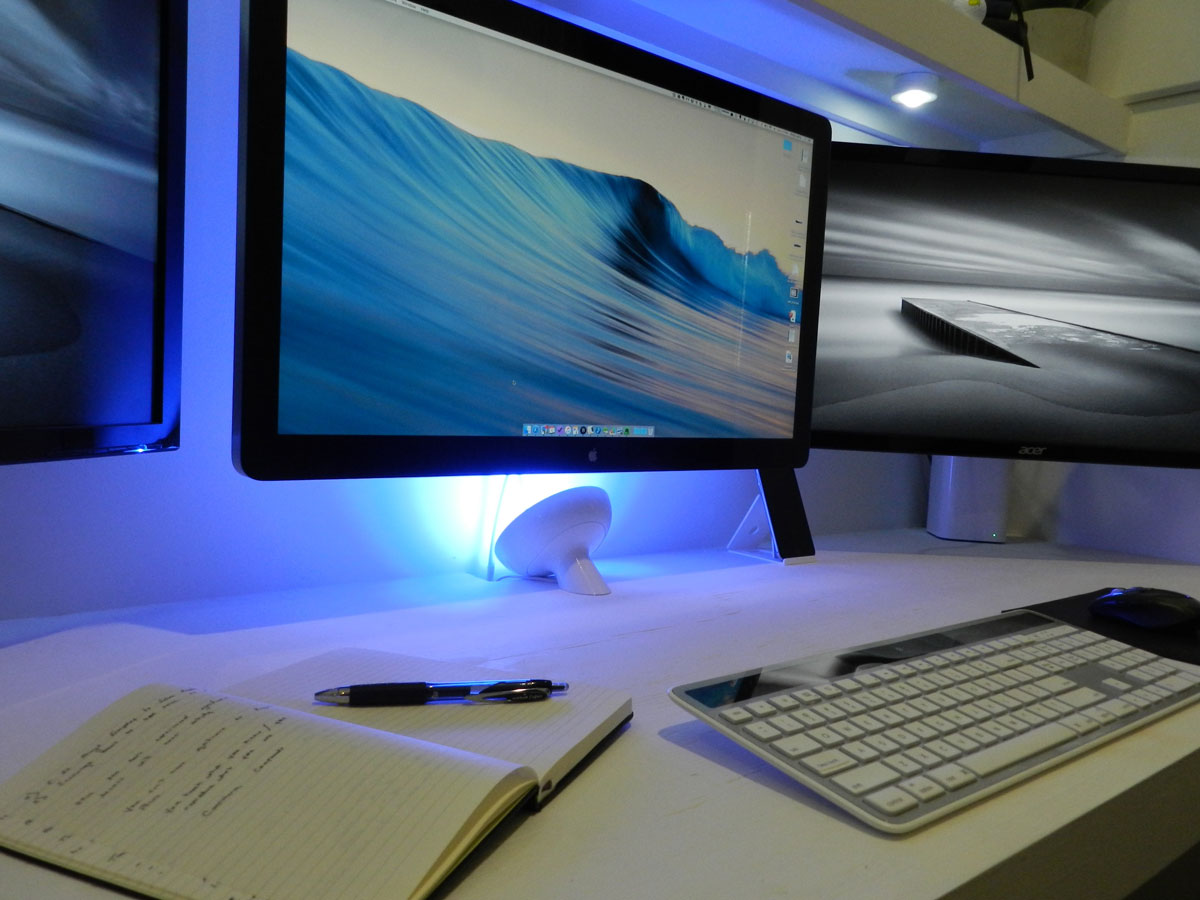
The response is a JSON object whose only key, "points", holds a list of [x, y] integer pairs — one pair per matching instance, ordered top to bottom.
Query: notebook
{"points": [[177, 793]]}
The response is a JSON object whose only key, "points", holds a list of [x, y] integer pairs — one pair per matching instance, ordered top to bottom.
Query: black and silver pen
{"points": [[414, 693]]}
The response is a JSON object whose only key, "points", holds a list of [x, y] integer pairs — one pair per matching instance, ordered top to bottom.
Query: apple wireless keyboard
{"points": [[903, 732]]}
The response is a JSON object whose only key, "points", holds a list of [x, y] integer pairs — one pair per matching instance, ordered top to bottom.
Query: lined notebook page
{"points": [[550, 737], [180, 794]]}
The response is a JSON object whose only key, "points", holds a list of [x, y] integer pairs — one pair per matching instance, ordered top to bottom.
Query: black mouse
{"points": [[1145, 607]]}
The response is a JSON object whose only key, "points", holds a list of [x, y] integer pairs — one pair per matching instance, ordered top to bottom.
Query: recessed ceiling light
{"points": [[914, 89]]}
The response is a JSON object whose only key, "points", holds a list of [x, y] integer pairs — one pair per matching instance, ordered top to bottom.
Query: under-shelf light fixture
{"points": [[915, 89]]}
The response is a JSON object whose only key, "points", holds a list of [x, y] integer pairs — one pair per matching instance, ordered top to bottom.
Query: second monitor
{"points": [[1013, 307]]}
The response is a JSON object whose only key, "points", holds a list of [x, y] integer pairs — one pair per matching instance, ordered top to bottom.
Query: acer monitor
{"points": [[92, 106], [475, 238], [990, 306]]}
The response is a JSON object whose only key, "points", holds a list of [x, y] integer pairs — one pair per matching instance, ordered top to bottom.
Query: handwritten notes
{"points": [[179, 793]]}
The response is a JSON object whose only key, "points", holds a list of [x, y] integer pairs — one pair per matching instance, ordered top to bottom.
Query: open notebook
{"points": [[177, 793]]}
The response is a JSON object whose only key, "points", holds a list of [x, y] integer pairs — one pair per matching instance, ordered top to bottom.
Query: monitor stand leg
{"points": [[968, 499], [775, 527]]}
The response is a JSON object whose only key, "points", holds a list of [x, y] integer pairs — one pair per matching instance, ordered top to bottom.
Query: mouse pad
{"points": [[1183, 646]]}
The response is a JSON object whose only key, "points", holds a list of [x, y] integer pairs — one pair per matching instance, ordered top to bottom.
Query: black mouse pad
{"points": [[1180, 645]]}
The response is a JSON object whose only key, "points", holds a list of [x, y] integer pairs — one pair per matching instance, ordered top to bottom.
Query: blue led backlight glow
{"points": [[460, 518]]}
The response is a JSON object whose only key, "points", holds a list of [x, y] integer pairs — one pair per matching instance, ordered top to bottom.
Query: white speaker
{"points": [[968, 499], [557, 536]]}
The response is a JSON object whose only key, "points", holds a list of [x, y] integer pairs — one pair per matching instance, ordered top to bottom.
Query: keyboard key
{"points": [[1176, 684], [1081, 697], [849, 705], [1119, 708], [829, 711], [1100, 714], [809, 717], [868, 723], [1012, 723], [1079, 723], [786, 724], [940, 724], [995, 728], [847, 729], [922, 730], [763, 731], [979, 735], [826, 736], [902, 736], [962, 742], [882, 743], [796, 745], [943, 749], [860, 751], [1007, 753], [924, 757], [829, 762], [904, 764], [951, 776], [866, 778], [923, 788], [892, 801]]}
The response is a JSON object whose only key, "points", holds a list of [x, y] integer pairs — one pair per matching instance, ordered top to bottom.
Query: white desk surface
{"points": [[671, 808]]}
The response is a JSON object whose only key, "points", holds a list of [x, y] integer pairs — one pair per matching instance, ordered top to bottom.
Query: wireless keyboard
{"points": [[904, 732]]}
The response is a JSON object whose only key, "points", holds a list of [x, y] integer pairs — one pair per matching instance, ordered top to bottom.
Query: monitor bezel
{"points": [[161, 429], [1017, 449], [261, 452]]}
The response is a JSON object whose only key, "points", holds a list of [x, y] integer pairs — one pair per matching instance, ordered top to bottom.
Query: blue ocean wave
{"points": [[436, 282]]}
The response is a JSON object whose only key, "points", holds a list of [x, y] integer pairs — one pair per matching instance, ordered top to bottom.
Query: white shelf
{"points": [[839, 57], [987, 64]]}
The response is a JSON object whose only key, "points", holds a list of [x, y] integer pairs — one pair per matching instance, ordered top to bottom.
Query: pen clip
{"points": [[515, 691], [509, 692]]}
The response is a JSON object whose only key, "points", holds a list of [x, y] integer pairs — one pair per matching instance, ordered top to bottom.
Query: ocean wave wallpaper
{"points": [[438, 282]]}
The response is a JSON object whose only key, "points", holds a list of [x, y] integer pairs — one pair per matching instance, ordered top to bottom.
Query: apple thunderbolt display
{"points": [[479, 239]]}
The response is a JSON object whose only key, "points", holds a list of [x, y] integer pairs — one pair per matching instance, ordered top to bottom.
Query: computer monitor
{"points": [[92, 112], [478, 239], [981, 305], [1016, 307]]}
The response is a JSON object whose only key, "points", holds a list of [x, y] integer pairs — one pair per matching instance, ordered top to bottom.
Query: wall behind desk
{"points": [[105, 533]]}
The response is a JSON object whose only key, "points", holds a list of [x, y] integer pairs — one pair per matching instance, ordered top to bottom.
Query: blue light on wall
{"points": [[460, 518]]}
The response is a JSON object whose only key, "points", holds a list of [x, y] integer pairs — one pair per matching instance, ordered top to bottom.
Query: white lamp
{"points": [[914, 89], [557, 536]]}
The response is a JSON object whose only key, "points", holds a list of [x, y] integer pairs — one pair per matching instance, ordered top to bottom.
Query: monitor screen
{"points": [[91, 187], [478, 239], [1013, 307]]}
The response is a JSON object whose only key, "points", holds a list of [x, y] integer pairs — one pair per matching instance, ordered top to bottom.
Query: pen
{"points": [[413, 693]]}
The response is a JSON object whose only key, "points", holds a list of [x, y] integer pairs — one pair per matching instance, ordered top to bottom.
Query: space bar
{"points": [[1014, 750]]}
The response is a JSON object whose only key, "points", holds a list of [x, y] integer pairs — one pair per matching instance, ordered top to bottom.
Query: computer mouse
{"points": [[1145, 607]]}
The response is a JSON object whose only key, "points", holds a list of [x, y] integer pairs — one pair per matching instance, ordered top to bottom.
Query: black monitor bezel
{"points": [[161, 429], [1019, 448], [263, 453]]}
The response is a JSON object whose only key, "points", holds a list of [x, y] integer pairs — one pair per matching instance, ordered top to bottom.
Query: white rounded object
{"points": [[557, 536]]}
